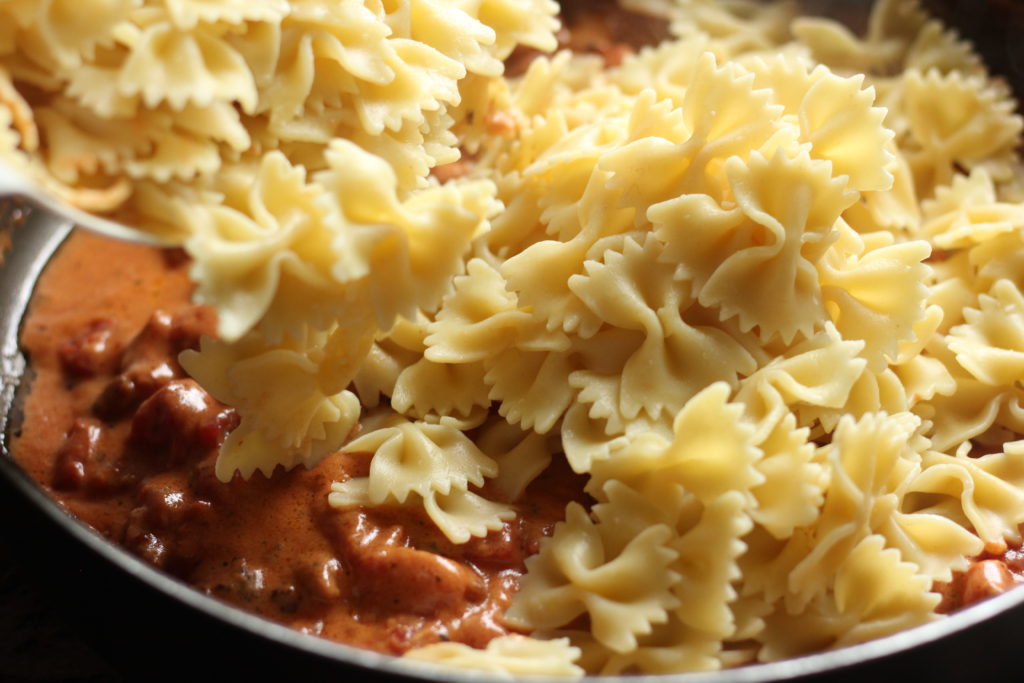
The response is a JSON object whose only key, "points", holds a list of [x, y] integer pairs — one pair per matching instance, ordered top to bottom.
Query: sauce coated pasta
{"points": [[757, 283]]}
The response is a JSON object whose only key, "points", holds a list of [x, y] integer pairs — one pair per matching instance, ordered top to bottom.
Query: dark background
{"points": [[40, 633]]}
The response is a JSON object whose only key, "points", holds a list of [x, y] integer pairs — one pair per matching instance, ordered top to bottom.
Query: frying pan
{"points": [[152, 627]]}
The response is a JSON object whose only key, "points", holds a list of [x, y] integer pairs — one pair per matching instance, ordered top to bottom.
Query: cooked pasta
{"points": [[761, 282]]}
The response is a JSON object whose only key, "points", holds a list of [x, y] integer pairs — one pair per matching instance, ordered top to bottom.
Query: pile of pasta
{"points": [[760, 282]]}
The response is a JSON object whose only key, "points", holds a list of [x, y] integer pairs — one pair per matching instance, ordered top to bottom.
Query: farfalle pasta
{"points": [[759, 284]]}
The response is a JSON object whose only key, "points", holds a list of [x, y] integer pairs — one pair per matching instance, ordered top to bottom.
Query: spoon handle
{"points": [[15, 184]]}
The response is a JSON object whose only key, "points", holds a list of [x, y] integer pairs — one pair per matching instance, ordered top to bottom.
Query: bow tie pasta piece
{"points": [[186, 14], [520, 22], [734, 28], [449, 30], [67, 31], [833, 44], [940, 48], [205, 68], [663, 70], [723, 116], [835, 116], [956, 119], [584, 207], [895, 210], [968, 212], [278, 245], [405, 253], [998, 258], [757, 261], [540, 277], [627, 288], [632, 290], [877, 295], [478, 319], [990, 345], [391, 352], [923, 375], [815, 379], [532, 388], [418, 390], [871, 393], [291, 397], [974, 410], [325, 423], [588, 439], [712, 452], [521, 456], [419, 458], [705, 462], [437, 463], [874, 463], [641, 471], [793, 480], [982, 493], [462, 515], [589, 568], [880, 589], [875, 594], [670, 647], [513, 654]]}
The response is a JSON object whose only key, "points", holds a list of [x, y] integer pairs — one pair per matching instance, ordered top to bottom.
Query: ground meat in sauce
{"points": [[124, 440], [988, 575]]}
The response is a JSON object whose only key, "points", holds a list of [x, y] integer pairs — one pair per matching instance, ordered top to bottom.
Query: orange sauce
{"points": [[138, 468]]}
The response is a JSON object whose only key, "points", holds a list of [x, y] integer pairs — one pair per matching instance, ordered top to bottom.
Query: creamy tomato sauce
{"points": [[123, 440]]}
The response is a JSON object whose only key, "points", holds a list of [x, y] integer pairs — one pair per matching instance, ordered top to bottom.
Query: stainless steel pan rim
{"points": [[35, 242]]}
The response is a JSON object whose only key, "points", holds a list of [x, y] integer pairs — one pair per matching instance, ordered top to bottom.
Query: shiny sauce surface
{"points": [[122, 439]]}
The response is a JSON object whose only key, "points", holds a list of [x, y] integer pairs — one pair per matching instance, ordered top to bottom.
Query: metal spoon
{"points": [[14, 183]]}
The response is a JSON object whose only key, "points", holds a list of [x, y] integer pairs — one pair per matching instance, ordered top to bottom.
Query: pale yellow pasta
{"points": [[836, 117], [957, 119], [759, 284], [633, 291], [877, 294], [477, 319], [388, 356], [532, 387], [521, 457], [437, 463], [793, 480], [599, 569], [875, 594], [507, 656]]}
